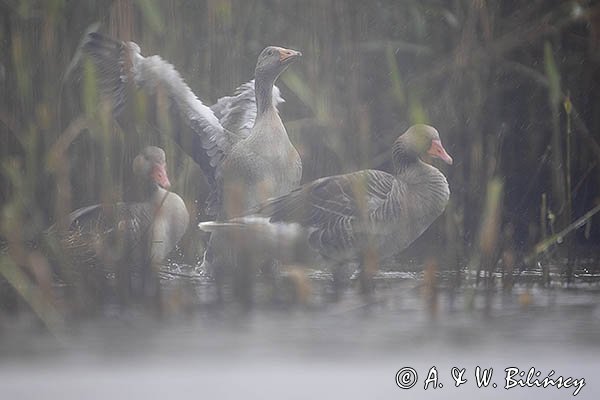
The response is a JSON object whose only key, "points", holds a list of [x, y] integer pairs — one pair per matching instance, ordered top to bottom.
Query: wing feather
{"points": [[117, 63], [339, 210]]}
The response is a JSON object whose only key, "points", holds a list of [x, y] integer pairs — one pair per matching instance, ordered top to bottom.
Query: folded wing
{"points": [[339, 210]]}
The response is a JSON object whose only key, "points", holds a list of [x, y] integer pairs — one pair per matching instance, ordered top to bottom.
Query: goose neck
{"points": [[264, 94], [403, 159]]}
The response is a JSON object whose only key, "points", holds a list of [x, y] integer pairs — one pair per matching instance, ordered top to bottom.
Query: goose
{"points": [[361, 217], [121, 235]]}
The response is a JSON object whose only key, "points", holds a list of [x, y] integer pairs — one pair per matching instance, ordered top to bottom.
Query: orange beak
{"points": [[287, 54], [437, 150], [159, 174]]}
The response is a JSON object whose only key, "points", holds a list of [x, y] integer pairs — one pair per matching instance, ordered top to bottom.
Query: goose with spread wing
{"points": [[240, 142], [361, 217]]}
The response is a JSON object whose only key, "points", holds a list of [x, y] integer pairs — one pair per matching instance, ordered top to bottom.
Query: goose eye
{"points": [[270, 52]]}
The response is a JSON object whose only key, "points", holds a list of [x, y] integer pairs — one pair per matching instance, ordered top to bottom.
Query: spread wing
{"points": [[119, 65], [237, 113], [339, 210]]}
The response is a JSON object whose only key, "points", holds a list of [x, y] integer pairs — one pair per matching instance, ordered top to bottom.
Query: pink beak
{"points": [[284, 54], [437, 150], [159, 174]]}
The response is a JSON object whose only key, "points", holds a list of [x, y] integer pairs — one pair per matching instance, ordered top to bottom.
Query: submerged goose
{"points": [[240, 142], [361, 217], [122, 235]]}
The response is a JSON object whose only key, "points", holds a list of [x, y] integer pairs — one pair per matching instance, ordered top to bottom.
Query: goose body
{"points": [[259, 167]]}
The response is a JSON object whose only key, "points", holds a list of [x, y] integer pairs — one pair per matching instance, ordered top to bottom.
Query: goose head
{"points": [[273, 60], [417, 141], [151, 166]]}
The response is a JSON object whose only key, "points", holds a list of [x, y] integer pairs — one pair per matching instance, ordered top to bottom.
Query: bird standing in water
{"points": [[123, 237]]}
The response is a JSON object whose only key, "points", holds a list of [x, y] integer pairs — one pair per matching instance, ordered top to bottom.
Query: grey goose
{"points": [[121, 231], [127, 239]]}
